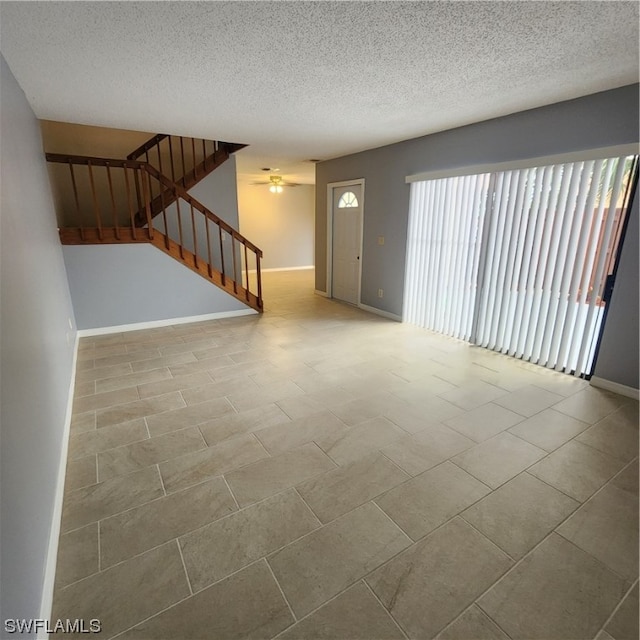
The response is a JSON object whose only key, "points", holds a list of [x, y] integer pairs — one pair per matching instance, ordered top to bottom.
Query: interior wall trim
{"points": [[527, 163], [303, 268], [380, 312], [152, 324], [616, 387], [46, 604]]}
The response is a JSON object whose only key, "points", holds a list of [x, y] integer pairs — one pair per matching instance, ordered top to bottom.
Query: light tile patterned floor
{"points": [[320, 472]]}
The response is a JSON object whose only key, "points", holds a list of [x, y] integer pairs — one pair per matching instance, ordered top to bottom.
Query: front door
{"points": [[347, 239]]}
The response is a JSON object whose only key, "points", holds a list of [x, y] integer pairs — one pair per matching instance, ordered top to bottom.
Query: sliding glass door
{"points": [[519, 261]]}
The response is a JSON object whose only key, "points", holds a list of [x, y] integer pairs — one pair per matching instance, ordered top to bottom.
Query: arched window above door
{"points": [[347, 199]]}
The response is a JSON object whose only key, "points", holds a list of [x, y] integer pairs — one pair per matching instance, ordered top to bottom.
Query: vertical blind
{"points": [[516, 261]]}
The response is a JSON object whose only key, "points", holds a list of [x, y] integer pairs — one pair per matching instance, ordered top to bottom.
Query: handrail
{"points": [[149, 144], [100, 162], [184, 166], [171, 186], [182, 193], [106, 199]]}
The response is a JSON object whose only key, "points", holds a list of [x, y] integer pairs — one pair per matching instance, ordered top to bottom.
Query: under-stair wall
{"points": [[104, 278], [105, 294]]}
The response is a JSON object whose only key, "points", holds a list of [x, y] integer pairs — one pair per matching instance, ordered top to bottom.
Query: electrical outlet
{"points": [[381, 240], [380, 293]]}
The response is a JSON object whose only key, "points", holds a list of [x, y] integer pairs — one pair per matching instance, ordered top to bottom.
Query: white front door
{"points": [[347, 242]]}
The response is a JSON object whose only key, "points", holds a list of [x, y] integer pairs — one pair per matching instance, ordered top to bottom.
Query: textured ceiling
{"points": [[301, 80]]}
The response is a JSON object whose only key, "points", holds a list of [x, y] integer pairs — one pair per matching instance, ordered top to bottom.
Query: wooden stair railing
{"points": [[185, 160], [106, 211]]}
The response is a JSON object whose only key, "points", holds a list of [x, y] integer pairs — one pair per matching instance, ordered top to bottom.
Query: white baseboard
{"points": [[305, 268], [324, 294], [380, 312], [153, 324], [616, 387], [48, 586]]}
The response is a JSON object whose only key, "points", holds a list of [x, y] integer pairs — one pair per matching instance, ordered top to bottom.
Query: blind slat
{"points": [[506, 259]]}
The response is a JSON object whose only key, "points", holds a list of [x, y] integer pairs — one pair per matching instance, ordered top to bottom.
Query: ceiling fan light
{"points": [[275, 188]]}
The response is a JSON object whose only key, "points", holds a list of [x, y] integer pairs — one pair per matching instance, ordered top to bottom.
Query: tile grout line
{"points": [[146, 426], [157, 466], [235, 501], [306, 504], [486, 537], [99, 550], [600, 562], [184, 566], [617, 608], [157, 613], [389, 614], [295, 618]]}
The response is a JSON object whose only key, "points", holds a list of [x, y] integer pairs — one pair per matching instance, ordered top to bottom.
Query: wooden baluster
{"points": [[193, 151], [204, 153], [146, 155], [159, 160], [173, 169], [184, 171], [136, 179], [161, 188], [146, 194], [77, 201], [96, 206], [114, 213], [132, 214], [164, 218], [206, 226], [180, 227], [195, 238], [235, 264], [246, 266], [224, 275], [259, 277]]}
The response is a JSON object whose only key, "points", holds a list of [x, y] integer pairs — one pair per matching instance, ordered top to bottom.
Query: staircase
{"points": [[113, 201]]}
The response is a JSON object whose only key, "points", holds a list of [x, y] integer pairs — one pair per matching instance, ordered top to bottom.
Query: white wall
{"points": [[281, 224], [36, 347]]}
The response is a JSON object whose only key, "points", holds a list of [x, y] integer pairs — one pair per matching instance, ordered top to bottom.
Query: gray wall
{"points": [[599, 120], [217, 192], [120, 284], [37, 354], [618, 355]]}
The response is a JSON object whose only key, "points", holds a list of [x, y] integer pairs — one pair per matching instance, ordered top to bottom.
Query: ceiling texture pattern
{"points": [[301, 80]]}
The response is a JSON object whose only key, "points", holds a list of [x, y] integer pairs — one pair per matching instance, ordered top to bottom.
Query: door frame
{"points": [[330, 187]]}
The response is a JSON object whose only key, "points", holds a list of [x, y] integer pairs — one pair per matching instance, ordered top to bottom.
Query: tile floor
{"points": [[320, 472]]}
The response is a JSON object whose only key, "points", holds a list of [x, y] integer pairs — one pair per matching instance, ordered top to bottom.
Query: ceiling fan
{"points": [[277, 183]]}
